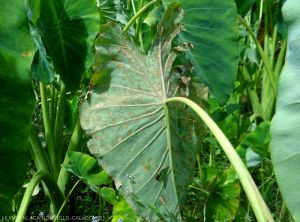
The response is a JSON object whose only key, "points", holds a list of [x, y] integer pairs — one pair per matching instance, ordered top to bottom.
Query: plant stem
{"points": [[133, 7], [138, 14], [280, 58], [270, 73], [256, 106], [59, 124], [48, 128], [38, 153], [64, 176], [28, 194], [56, 195], [66, 200], [259, 207]]}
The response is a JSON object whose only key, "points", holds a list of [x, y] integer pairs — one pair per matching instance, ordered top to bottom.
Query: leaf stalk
{"points": [[138, 14], [259, 207]]}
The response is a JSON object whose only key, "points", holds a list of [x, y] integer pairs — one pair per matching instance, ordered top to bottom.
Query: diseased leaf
{"points": [[68, 29], [211, 29], [16, 99], [285, 128], [147, 147]]}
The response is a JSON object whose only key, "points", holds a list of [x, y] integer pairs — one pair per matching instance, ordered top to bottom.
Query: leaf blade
{"points": [[68, 29], [211, 29], [17, 101], [131, 127], [285, 144]]}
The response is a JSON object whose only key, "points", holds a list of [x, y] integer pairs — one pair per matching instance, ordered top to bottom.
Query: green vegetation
{"points": [[140, 110]]}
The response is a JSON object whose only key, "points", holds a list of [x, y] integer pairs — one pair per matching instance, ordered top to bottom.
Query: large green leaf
{"points": [[211, 28], [68, 29], [16, 99], [285, 128], [147, 147]]}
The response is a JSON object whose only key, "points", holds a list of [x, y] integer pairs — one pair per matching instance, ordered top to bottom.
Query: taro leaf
{"points": [[107, 10], [111, 10], [211, 28], [68, 29], [42, 66], [16, 99], [285, 128], [258, 140], [147, 147], [86, 168]]}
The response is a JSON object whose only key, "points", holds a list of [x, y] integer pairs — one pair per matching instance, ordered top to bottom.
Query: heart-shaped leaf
{"points": [[68, 29], [211, 29], [16, 99], [285, 128], [147, 146], [86, 168]]}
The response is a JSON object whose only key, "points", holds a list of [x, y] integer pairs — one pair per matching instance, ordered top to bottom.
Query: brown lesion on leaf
{"points": [[27, 54], [148, 165]]}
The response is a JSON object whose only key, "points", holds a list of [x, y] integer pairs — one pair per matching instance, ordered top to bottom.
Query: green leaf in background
{"points": [[244, 6], [107, 9], [111, 10], [211, 28], [68, 29], [42, 66], [16, 99], [285, 128], [258, 141], [147, 147], [86, 168], [109, 195], [223, 200], [122, 212]]}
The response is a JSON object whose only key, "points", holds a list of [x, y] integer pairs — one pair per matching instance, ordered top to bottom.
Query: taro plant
{"points": [[57, 39], [160, 68], [143, 134]]}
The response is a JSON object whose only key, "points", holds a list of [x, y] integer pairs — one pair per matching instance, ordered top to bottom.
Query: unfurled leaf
{"points": [[68, 29], [211, 30], [16, 99], [285, 128], [258, 141], [147, 146], [86, 168]]}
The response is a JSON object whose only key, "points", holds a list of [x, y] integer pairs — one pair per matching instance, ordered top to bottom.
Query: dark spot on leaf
{"points": [[162, 175]]}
